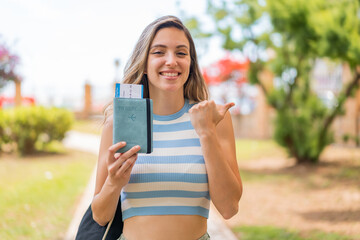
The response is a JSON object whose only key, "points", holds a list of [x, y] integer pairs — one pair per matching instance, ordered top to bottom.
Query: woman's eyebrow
{"points": [[159, 46], [164, 46], [182, 46]]}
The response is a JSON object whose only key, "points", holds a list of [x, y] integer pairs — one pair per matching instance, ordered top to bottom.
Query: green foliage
{"points": [[298, 32], [27, 126], [2, 128], [298, 128], [349, 137], [346, 138], [267, 232], [275, 233]]}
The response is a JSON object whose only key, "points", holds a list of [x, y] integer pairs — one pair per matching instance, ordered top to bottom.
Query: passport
{"points": [[133, 123]]}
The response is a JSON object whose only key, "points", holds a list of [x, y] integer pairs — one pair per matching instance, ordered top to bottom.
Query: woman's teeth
{"points": [[170, 74]]}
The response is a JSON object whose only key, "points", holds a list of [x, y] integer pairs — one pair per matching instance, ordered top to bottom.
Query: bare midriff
{"points": [[178, 227]]}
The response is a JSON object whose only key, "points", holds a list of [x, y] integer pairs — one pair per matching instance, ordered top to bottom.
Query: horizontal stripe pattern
{"points": [[184, 118], [175, 127], [165, 136], [177, 143], [176, 151], [151, 159], [169, 168], [167, 177], [173, 178], [181, 186], [160, 194], [165, 201], [166, 210]]}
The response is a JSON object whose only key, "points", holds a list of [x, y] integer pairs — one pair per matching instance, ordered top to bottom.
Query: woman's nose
{"points": [[171, 60]]}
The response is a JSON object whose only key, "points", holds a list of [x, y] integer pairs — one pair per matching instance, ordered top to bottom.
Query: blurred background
{"points": [[85, 42], [291, 67]]}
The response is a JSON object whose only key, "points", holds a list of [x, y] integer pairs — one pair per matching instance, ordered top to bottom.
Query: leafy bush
{"points": [[26, 126], [2, 128], [298, 128]]}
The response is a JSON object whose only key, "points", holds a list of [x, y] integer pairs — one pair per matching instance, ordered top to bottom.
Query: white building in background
{"points": [[327, 81]]}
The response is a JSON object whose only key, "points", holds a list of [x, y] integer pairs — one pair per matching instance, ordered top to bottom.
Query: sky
{"points": [[63, 44]]}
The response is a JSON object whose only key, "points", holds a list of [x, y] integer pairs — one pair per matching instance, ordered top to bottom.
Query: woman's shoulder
{"points": [[108, 123]]}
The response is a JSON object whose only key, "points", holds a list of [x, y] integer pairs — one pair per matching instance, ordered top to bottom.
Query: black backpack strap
{"points": [[91, 230]]}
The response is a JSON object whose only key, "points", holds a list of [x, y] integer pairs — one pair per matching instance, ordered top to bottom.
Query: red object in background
{"points": [[226, 69], [25, 101]]}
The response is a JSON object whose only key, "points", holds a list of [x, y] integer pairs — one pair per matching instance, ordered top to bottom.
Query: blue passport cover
{"points": [[132, 123]]}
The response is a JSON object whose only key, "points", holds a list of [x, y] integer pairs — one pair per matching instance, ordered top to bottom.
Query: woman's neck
{"points": [[166, 104]]}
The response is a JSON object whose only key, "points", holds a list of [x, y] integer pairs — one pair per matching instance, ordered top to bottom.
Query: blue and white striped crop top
{"points": [[172, 180]]}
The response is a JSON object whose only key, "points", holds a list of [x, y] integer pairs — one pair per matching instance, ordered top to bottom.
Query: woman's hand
{"points": [[206, 115], [119, 165]]}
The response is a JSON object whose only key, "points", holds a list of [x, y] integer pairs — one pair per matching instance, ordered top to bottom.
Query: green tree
{"points": [[297, 33]]}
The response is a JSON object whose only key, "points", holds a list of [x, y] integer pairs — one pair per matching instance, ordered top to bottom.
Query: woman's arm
{"points": [[213, 124], [113, 172]]}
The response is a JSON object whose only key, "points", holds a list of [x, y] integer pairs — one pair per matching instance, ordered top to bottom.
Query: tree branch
{"points": [[263, 88], [289, 95], [336, 110]]}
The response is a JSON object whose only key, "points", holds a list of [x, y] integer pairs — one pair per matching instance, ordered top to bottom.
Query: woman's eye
{"points": [[157, 52], [182, 53]]}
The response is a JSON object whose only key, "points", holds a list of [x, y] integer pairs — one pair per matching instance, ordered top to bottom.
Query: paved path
{"points": [[217, 227]]}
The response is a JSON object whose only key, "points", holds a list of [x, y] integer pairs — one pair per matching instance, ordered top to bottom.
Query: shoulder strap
{"points": [[107, 229]]}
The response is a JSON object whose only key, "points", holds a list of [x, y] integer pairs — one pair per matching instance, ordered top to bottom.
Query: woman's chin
{"points": [[168, 88], [172, 88]]}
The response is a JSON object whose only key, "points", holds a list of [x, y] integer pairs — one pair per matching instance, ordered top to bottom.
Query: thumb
{"points": [[224, 108]]}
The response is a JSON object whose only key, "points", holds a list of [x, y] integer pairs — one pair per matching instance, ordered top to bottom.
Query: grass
{"points": [[91, 126], [247, 150], [339, 166], [349, 173], [250, 176], [38, 194], [275, 233]]}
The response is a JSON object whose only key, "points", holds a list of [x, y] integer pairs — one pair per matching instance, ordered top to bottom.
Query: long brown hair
{"points": [[194, 88]]}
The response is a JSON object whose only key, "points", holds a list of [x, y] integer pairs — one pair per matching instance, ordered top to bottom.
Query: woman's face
{"points": [[168, 63]]}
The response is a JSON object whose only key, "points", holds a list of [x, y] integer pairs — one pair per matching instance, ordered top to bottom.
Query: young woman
{"points": [[166, 194]]}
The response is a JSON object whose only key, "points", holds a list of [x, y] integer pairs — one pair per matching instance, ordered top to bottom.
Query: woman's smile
{"points": [[171, 75]]}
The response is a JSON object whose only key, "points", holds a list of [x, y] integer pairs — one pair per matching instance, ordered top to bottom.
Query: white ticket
{"points": [[128, 90]]}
